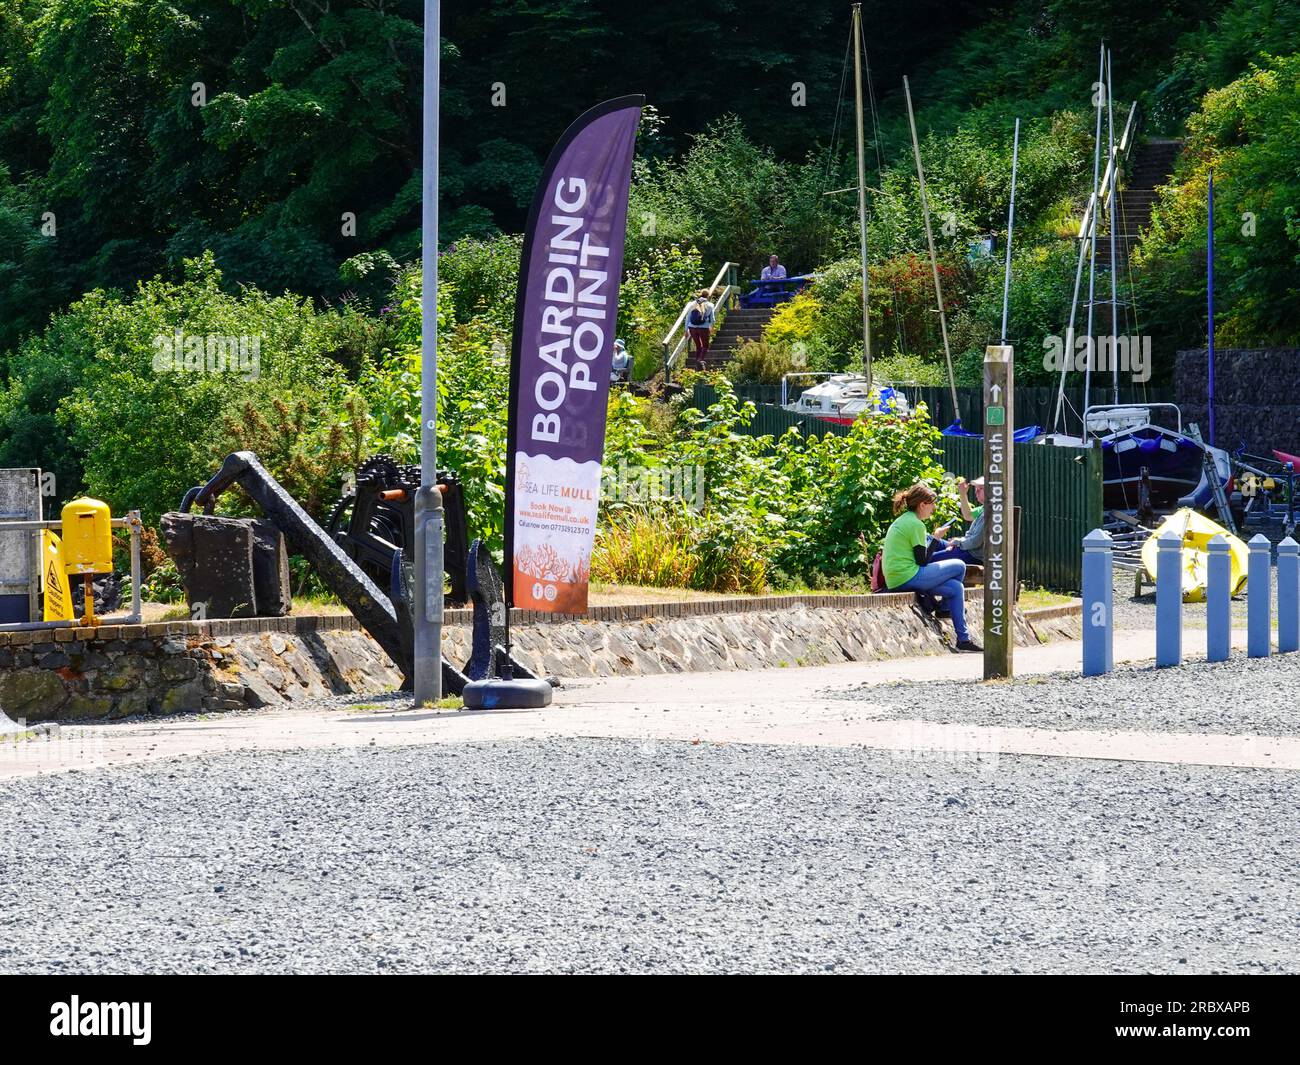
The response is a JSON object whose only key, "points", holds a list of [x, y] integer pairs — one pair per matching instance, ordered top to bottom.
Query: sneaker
{"points": [[969, 646]]}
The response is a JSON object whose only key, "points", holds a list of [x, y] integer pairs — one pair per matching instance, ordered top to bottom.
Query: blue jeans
{"points": [[943, 580]]}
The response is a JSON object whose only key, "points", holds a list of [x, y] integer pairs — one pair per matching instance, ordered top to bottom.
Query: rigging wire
{"points": [[880, 174]]}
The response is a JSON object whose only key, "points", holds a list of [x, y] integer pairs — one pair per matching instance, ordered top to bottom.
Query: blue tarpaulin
{"points": [[1021, 436]]}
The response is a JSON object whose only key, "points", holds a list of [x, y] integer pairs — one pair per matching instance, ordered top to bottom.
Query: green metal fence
{"points": [[1035, 404], [771, 419], [1057, 488], [1058, 491]]}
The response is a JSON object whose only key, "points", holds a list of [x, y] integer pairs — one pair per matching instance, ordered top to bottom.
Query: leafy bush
{"points": [[1238, 133], [734, 200], [478, 278], [794, 320], [762, 361], [908, 369], [473, 385], [85, 397], [841, 490]]}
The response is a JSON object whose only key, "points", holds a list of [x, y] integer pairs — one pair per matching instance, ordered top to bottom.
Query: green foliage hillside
{"points": [[250, 169]]}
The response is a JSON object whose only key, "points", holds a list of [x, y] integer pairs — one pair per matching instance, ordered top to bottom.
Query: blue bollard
{"points": [[1288, 595], [1259, 598], [1169, 599], [1218, 601], [1098, 616]]}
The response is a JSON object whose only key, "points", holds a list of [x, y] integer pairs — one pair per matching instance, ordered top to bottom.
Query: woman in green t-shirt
{"points": [[904, 565]]}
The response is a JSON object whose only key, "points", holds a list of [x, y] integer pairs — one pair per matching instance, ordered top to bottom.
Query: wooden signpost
{"points": [[999, 509]]}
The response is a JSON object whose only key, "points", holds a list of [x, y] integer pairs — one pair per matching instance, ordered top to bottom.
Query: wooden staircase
{"points": [[1152, 166], [741, 324]]}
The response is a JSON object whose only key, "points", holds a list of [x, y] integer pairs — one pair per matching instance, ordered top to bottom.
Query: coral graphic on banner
{"points": [[556, 501]]}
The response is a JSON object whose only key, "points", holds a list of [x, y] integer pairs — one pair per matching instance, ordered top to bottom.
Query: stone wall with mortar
{"points": [[1256, 396], [186, 666]]}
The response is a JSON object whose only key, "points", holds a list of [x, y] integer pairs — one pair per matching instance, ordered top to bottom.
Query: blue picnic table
{"points": [[770, 293]]}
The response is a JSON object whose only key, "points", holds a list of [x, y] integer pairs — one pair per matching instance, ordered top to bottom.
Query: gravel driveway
{"points": [[1240, 697], [617, 856]]}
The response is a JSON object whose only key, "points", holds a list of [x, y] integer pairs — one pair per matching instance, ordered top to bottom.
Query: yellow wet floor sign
{"points": [[54, 579]]}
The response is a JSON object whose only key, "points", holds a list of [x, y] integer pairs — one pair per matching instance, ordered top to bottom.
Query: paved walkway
{"points": [[777, 706]]}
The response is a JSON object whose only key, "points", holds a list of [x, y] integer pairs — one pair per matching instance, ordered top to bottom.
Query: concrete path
{"points": [[778, 706]]}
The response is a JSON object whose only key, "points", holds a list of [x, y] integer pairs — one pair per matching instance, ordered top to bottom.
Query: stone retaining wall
{"points": [[1256, 396], [184, 666]]}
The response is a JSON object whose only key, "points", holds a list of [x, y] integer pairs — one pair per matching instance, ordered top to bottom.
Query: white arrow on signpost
{"points": [[997, 394]]}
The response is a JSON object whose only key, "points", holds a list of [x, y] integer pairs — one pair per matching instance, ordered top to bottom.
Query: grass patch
{"points": [[1032, 598]]}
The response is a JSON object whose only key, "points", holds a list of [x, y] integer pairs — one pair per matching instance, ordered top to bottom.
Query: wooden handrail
{"points": [[670, 357]]}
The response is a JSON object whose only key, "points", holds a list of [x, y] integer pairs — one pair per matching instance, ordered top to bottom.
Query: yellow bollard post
{"points": [[88, 545]]}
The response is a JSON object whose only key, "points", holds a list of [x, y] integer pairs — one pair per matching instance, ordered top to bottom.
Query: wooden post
{"points": [[999, 509]]}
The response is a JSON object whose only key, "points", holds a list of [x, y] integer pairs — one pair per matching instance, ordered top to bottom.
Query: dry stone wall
{"points": [[114, 671]]}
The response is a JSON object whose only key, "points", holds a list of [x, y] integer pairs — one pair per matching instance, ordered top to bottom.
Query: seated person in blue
{"points": [[773, 271], [968, 548], [904, 559]]}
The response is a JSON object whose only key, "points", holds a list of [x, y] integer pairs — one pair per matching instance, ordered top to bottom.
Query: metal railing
{"points": [[724, 288], [131, 521]]}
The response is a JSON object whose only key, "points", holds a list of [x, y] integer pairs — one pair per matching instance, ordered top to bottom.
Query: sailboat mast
{"points": [[1114, 181], [862, 189], [1011, 223], [929, 239], [1092, 257], [1209, 299]]}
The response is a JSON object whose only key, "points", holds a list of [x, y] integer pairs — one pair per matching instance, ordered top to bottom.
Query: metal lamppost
{"points": [[427, 615]]}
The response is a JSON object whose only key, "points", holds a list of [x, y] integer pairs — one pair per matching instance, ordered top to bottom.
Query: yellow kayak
{"points": [[1197, 531]]}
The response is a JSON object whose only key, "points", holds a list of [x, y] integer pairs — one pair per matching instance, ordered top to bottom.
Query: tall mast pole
{"points": [[1114, 181], [862, 189], [1011, 222], [929, 239], [1092, 254], [1209, 300], [1067, 356], [428, 596]]}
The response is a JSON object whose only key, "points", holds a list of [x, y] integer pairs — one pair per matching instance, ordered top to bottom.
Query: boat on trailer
{"points": [[843, 398], [1132, 442], [1141, 443]]}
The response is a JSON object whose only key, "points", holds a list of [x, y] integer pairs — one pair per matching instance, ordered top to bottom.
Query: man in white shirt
{"points": [[773, 271]]}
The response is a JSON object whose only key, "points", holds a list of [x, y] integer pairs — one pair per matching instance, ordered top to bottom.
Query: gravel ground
{"points": [[1140, 612], [1240, 697], [615, 856]]}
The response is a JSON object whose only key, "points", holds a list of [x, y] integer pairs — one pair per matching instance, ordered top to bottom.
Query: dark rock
{"points": [[214, 557], [270, 570], [89, 662], [179, 669], [126, 673], [33, 696], [182, 698], [132, 704], [84, 707]]}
